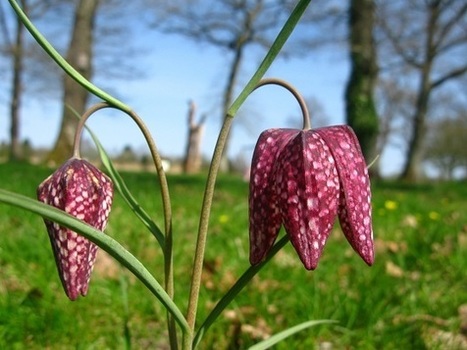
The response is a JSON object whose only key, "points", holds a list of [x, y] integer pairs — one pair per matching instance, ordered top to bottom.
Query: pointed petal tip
{"points": [[263, 234], [367, 253], [256, 254], [254, 260], [370, 260], [310, 266], [74, 294]]}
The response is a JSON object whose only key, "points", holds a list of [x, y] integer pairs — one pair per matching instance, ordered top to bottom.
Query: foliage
{"points": [[83, 230], [212, 273], [396, 304]]}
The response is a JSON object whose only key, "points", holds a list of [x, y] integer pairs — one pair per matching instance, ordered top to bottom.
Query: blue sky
{"points": [[179, 71]]}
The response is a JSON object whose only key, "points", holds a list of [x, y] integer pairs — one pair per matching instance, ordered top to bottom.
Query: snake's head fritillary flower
{"points": [[304, 179], [83, 191]]}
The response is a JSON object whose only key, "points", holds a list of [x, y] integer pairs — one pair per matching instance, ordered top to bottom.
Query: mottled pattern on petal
{"points": [[81, 190], [308, 192], [355, 200], [265, 219]]}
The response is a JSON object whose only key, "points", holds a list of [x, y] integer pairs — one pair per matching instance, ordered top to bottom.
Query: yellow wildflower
{"points": [[390, 205], [223, 218]]}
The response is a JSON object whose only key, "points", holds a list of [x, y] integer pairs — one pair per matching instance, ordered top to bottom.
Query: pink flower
{"points": [[303, 179], [81, 190]]}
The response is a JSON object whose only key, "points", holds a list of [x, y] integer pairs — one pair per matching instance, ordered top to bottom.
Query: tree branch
{"points": [[444, 32], [451, 75]]}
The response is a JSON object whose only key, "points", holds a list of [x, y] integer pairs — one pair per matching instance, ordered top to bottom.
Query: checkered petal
{"points": [[307, 186], [83, 191], [355, 197], [265, 218]]}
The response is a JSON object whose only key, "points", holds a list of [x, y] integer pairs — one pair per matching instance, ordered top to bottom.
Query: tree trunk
{"points": [[75, 97], [360, 108], [15, 146], [193, 160], [412, 170]]}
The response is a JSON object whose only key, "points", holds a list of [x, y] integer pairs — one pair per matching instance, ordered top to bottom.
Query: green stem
{"points": [[42, 41], [277, 45], [50, 50], [295, 93], [216, 160], [122, 188], [166, 202], [203, 230], [104, 241], [199, 257], [253, 270], [189, 324]]}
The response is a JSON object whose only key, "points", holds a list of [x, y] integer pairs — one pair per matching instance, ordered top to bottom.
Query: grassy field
{"points": [[410, 299]]}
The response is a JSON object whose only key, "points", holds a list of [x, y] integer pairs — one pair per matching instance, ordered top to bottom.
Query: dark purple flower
{"points": [[304, 179], [81, 190]]}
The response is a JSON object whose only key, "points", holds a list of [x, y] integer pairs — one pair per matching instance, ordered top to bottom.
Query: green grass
{"points": [[413, 291]]}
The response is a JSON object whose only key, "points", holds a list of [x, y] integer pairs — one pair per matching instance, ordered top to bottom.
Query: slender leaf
{"points": [[126, 194], [104, 241], [236, 289], [276, 338]]}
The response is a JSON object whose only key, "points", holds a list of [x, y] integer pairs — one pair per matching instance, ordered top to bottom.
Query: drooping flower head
{"points": [[304, 179], [83, 191]]}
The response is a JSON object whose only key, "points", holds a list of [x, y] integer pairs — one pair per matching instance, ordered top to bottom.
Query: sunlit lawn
{"points": [[407, 300]]}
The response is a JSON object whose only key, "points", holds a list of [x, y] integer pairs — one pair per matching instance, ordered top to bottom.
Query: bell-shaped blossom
{"points": [[304, 179], [83, 191]]}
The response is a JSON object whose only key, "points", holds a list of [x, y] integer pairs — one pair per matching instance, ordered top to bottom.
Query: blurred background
{"points": [[395, 71]]}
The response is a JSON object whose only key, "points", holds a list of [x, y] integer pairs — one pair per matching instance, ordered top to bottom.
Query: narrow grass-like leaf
{"points": [[126, 194], [104, 241], [236, 289], [276, 338]]}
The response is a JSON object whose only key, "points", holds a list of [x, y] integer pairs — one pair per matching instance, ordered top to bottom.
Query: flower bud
{"points": [[83, 191]]}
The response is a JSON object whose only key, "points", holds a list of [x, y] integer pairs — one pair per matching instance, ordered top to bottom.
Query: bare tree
{"points": [[231, 25], [430, 38], [15, 46], [17, 55], [42, 75], [360, 107], [193, 158]]}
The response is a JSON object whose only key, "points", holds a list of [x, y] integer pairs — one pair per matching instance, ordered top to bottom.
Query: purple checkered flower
{"points": [[304, 179], [81, 190]]}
